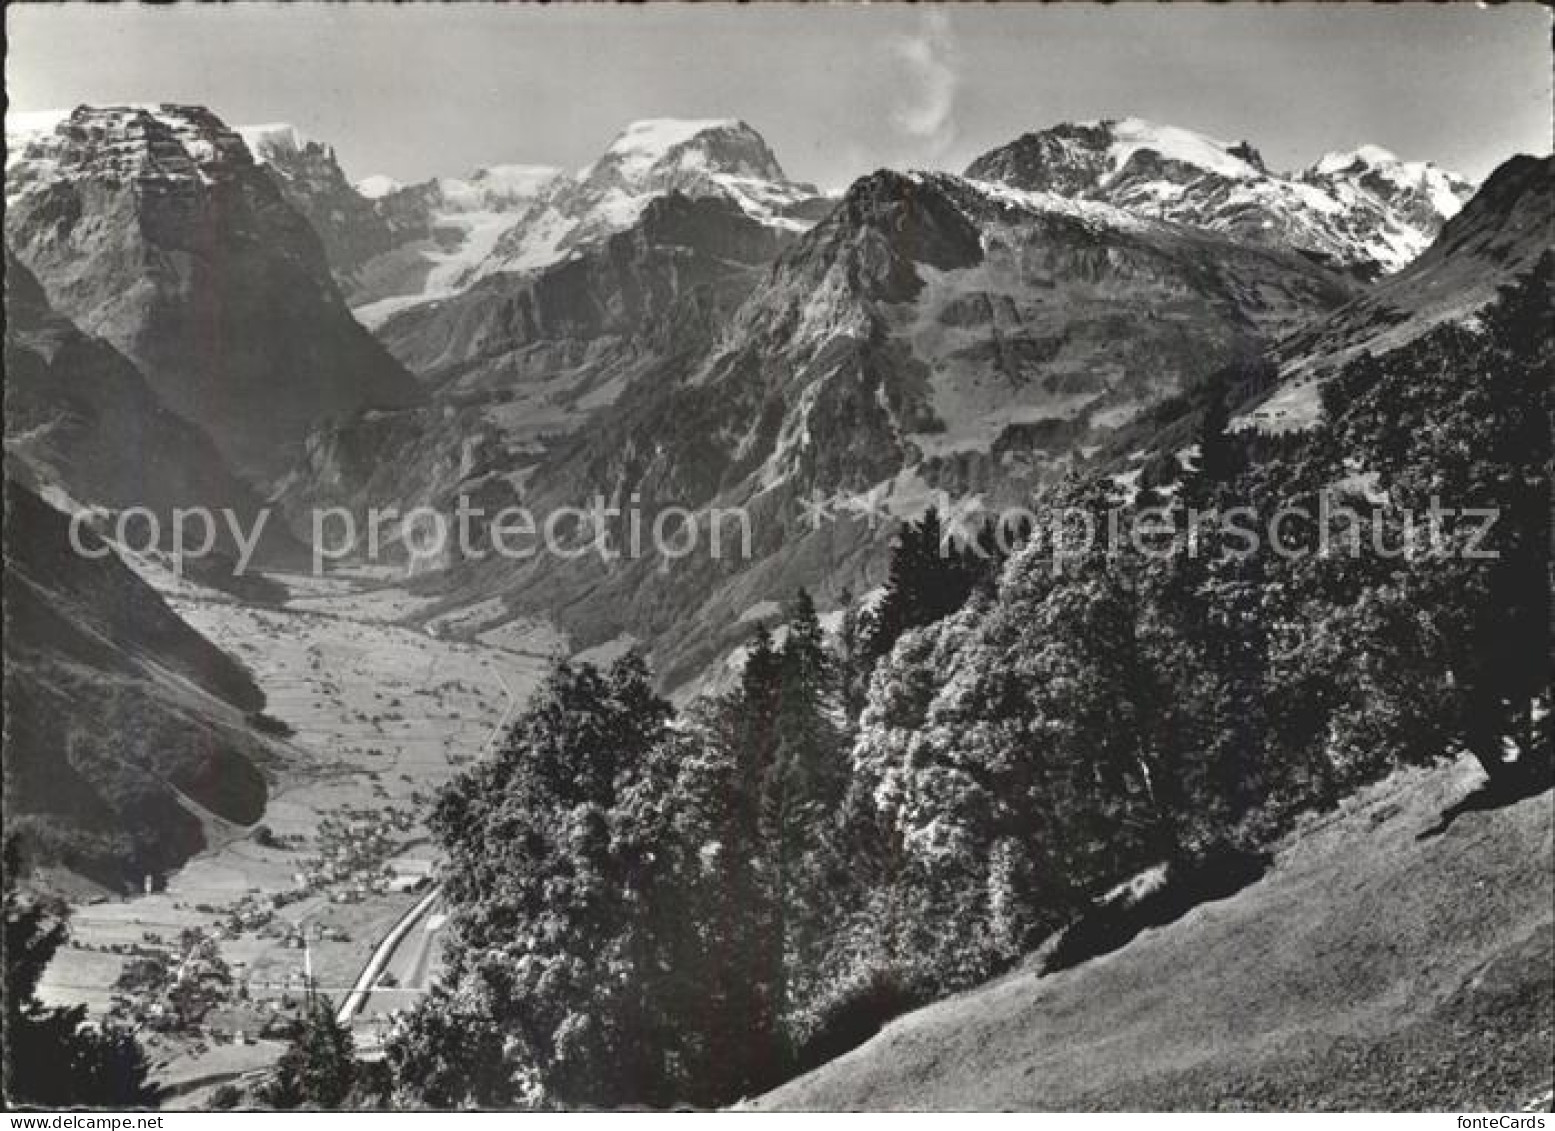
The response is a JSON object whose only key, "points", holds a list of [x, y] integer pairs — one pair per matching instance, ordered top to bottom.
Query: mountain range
{"points": [[1364, 211], [681, 323], [980, 334], [922, 764]]}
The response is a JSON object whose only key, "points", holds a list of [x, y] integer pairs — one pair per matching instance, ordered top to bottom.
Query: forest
{"points": [[660, 907]]}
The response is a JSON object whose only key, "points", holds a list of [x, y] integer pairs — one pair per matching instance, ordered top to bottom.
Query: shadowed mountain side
{"points": [[80, 418]]}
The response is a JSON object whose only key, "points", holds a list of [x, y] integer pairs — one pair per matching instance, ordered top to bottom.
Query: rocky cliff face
{"points": [[1366, 212], [348, 225], [154, 229], [527, 300], [928, 313], [509, 329]]}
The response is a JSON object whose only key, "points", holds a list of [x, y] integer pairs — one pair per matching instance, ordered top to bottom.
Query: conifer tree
{"points": [[929, 577], [852, 657]]}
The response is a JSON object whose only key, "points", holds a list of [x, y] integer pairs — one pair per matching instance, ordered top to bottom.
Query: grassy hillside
{"points": [[124, 727], [1396, 956]]}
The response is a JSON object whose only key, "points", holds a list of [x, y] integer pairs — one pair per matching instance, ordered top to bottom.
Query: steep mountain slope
{"points": [[1367, 211], [510, 219], [348, 225], [154, 229], [443, 230], [1499, 236], [392, 245], [527, 301], [929, 314], [510, 329], [931, 332], [80, 418], [124, 728], [1392, 959]]}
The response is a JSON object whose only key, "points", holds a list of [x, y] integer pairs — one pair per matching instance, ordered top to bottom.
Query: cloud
{"points": [[927, 112]]}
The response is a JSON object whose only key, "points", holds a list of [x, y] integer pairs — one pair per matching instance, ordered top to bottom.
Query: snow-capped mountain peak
{"points": [[163, 142], [644, 143], [659, 147], [1365, 155], [721, 157], [1091, 158], [1380, 170], [518, 178], [377, 186], [501, 186], [111, 191], [514, 219]]}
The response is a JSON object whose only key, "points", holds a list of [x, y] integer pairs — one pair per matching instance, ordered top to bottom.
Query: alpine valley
{"points": [[204, 314]]}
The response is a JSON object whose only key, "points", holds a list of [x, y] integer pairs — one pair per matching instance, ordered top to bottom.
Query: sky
{"points": [[414, 91]]}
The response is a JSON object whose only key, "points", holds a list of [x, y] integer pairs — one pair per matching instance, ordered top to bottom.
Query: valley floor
{"points": [[383, 714], [1384, 962]]}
